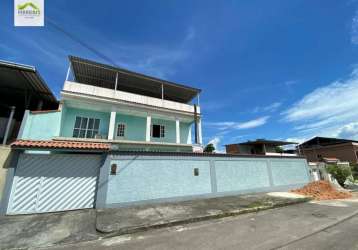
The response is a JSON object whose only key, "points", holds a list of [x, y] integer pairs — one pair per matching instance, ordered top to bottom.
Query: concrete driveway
{"points": [[318, 225]]}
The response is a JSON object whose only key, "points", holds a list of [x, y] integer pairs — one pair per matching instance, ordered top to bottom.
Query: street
{"points": [[319, 225]]}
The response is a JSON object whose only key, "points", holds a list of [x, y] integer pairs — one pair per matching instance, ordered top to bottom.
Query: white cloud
{"points": [[354, 29], [270, 108], [327, 109], [253, 123], [239, 125], [349, 131], [298, 140], [216, 142]]}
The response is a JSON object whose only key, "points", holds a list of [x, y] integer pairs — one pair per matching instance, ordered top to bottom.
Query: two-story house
{"points": [[131, 111]]}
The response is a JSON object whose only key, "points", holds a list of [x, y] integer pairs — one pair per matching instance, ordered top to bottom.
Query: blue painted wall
{"points": [[69, 119], [42, 126], [135, 127], [169, 130], [184, 132], [286, 171], [233, 175], [150, 178], [154, 179]]}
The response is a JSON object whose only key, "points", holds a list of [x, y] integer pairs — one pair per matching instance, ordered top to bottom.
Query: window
{"points": [[85, 127], [120, 129], [158, 131], [196, 171]]}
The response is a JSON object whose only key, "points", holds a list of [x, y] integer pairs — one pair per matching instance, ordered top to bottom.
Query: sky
{"points": [[276, 69]]}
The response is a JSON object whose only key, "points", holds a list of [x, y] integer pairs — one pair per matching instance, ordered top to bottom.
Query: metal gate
{"points": [[54, 182]]}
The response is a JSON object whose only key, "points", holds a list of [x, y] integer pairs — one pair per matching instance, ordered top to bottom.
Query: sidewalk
{"points": [[117, 221], [55, 229]]}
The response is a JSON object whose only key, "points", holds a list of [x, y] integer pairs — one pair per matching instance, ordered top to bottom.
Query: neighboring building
{"points": [[21, 88], [133, 112], [259, 147], [318, 148]]}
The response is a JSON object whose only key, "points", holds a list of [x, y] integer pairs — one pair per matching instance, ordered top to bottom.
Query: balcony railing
{"points": [[126, 96]]}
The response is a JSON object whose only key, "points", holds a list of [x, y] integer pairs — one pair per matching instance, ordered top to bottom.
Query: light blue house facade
{"points": [[133, 112], [120, 138]]}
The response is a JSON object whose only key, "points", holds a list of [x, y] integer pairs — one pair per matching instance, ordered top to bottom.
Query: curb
{"points": [[223, 214]]}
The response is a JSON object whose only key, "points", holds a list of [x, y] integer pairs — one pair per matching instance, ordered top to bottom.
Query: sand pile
{"points": [[321, 190]]}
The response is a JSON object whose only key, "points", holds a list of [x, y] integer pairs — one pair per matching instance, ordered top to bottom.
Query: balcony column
{"points": [[112, 124], [8, 125], [177, 130], [147, 131], [200, 137], [189, 140]]}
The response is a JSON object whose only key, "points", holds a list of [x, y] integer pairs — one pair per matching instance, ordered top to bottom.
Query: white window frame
{"points": [[86, 129], [124, 130], [161, 130]]}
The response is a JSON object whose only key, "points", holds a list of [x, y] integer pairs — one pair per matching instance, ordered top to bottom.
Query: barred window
{"points": [[85, 127], [121, 127]]}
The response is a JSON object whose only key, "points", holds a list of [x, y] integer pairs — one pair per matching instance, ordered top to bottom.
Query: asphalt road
{"points": [[326, 225]]}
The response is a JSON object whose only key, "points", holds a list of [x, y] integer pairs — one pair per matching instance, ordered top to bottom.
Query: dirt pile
{"points": [[321, 190]]}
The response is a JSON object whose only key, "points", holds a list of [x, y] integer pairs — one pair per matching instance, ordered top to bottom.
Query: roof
{"points": [[102, 75], [18, 78], [324, 141], [266, 142], [60, 145]]}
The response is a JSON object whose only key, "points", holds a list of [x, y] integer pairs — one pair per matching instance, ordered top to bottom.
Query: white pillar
{"points": [[116, 83], [162, 92], [25, 118], [112, 122], [8, 125], [177, 130], [147, 131], [199, 132], [189, 141]]}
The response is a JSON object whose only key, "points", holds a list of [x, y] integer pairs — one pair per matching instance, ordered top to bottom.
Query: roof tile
{"points": [[60, 144]]}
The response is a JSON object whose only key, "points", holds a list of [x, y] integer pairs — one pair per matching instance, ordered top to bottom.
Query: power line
{"points": [[79, 41]]}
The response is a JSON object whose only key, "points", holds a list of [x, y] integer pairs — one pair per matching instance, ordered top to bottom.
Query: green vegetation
{"points": [[209, 148], [279, 149], [355, 171], [340, 173]]}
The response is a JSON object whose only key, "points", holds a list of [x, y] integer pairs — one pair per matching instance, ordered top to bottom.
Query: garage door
{"points": [[54, 182]]}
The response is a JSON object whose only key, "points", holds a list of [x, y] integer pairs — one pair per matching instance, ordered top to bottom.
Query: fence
{"points": [[145, 178]]}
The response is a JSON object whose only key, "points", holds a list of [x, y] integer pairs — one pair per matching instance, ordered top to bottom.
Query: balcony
{"points": [[90, 90]]}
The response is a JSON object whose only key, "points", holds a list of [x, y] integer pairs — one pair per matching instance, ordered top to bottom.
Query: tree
{"points": [[210, 148], [279, 149], [340, 173]]}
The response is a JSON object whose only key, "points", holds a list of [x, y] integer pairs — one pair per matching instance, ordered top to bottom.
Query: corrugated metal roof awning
{"points": [[102, 75], [20, 78]]}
